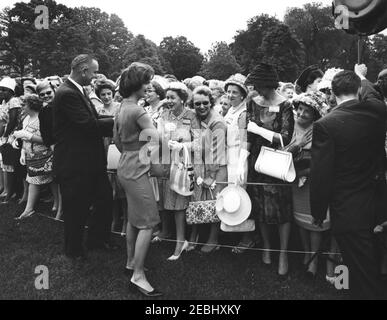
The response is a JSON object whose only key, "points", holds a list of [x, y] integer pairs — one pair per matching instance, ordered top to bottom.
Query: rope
{"points": [[224, 182], [199, 243]]}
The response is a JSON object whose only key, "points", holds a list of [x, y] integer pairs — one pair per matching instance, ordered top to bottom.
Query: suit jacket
{"points": [[368, 91], [78, 132], [348, 165]]}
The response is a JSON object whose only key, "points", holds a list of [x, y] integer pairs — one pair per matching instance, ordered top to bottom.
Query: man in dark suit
{"points": [[80, 161], [347, 176]]}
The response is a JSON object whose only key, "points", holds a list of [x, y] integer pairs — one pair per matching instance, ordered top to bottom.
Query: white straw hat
{"points": [[233, 205]]}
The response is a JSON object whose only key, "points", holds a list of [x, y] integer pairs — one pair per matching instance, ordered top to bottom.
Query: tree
{"points": [[71, 32], [18, 34], [108, 37], [247, 42], [324, 44], [281, 48], [143, 50], [184, 60], [220, 63]]}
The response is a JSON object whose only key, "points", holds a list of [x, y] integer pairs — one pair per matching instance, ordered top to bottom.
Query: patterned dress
{"points": [[185, 129], [38, 156], [270, 204]]}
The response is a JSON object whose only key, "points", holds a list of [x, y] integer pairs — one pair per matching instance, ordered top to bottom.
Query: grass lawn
{"points": [[221, 275]]}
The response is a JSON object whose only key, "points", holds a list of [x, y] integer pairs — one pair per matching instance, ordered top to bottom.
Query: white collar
{"points": [[80, 88], [233, 110]]}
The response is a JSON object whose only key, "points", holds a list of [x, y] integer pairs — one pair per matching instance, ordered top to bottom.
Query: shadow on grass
{"points": [[221, 275]]}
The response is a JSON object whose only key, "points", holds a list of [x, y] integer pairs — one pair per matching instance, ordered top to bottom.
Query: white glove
{"points": [[361, 70], [264, 133], [23, 134], [3, 140], [15, 144], [174, 145], [23, 158], [241, 166]]}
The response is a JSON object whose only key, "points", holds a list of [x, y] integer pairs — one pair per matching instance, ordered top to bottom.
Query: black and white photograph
{"points": [[199, 153]]}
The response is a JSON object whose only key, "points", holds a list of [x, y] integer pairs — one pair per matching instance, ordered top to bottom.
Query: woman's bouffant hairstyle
{"points": [[134, 77], [104, 84], [43, 85], [158, 89], [205, 91], [33, 102]]}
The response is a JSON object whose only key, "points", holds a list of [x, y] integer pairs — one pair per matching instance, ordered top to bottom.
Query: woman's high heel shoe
{"points": [[25, 215], [192, 245], [176, 257]]}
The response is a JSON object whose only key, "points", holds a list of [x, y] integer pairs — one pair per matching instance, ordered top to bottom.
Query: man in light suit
{"points": [[80, 161], [347, 176]]}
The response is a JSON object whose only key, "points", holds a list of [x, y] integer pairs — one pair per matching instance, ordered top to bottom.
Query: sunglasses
{"points": [[47, 93], [204, 103]]}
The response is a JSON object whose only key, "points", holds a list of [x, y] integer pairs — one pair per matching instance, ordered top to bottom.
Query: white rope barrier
{"points": [[215, 245]]}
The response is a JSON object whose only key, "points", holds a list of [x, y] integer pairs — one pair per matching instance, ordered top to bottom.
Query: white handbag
{"points": [[113, 157], [276, 163], [182, 175], [246, 226]]}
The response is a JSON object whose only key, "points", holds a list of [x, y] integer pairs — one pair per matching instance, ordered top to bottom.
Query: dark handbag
{"points": [[201, 212]]}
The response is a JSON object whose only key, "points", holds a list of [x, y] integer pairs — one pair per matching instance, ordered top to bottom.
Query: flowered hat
{"points": [[237, 80], [315, 100]]}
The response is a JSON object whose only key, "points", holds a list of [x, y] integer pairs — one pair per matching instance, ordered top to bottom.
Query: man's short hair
{"points": [[81, 60], [346, 83]]}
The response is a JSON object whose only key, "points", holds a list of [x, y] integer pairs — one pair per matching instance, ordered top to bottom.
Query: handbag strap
{"points": [[282, 142], [185, 156], [212, 195]]}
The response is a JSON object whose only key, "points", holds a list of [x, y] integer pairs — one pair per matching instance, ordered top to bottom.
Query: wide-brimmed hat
{"points": [[264, 75], [237, 80], [326, 81], [301, 82], [8, 83], [315, 100], [233, 205]]}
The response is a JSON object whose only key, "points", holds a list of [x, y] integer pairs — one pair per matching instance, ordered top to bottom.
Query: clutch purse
{"points": [[201, 212]]}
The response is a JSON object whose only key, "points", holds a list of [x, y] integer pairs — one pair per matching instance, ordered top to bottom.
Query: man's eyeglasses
{"points": [[47, 93], [204, 103]]}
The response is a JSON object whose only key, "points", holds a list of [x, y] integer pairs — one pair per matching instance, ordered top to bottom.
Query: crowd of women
{"points": [[246, 113]]}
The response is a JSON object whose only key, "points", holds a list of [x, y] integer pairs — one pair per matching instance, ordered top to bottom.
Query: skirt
{"points": [[271, 204], [142, 206], [302, 211]]}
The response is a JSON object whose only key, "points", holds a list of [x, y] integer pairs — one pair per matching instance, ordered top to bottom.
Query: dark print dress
{"points": [[270, 204]]}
